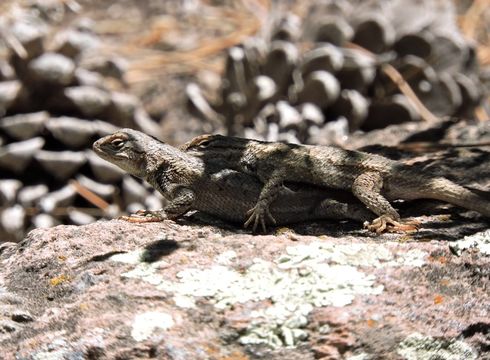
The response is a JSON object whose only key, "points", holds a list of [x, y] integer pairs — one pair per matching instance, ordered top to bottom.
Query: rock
{"points": [[288, 29], [333, 30], [374, 34], [30, 35], [72, 43], [419, 45], [448, 54], [327, 58], [280, 62], [113, 67], [53, 68], [7, 72], [235, 72], [357, 72], [89, 78], [264, 88], [321, 88], [11, 92], [471, 94], [89, 100], [198, 105], [353, 106], [123, 108], [396, 110], [312, 114], [289, 118], [144, 123], [24, 126], [103, 128], [73, 132], [17, 156], [61, 164], [8, 190], [106, 191], [133, 191], [30, 195], [57, 199], [154, 202], [134, 207], [79, 217], [12, 220], [44, 221], [286, 296]]}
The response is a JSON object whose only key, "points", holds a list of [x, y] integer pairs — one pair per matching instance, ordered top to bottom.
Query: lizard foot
{"points": [[257, 215], [144, 216], [386, 222]]}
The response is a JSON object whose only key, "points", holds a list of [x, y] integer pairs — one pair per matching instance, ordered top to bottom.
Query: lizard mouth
{"points": [[98, 146], [102, 148]]}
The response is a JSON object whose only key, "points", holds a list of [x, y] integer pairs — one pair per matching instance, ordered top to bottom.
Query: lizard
{"points": [[375, 180], [190, 184]]}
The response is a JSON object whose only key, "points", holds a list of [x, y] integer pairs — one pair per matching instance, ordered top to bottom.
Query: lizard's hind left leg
{"points": [[367, 188]]}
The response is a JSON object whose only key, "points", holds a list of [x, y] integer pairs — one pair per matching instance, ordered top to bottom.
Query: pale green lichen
{"points": [[480, 240], [372, 255], [226, 258], [307, 276], [145, 324], [420, 347]]}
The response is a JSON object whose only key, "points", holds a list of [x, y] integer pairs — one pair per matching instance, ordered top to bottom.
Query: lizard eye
{"points": [[117, 143], [204, 144]]}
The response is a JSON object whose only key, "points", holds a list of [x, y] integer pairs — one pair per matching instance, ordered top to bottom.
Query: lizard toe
{"points": [[387, 223]]}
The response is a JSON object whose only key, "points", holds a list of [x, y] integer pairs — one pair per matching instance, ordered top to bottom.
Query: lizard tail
{"points": [[445, 190]]}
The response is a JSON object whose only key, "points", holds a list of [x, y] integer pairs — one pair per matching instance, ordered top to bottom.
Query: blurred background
{"points": [[398, 74]]}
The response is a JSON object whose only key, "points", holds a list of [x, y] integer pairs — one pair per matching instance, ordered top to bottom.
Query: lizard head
{"points": [[125, 148]]}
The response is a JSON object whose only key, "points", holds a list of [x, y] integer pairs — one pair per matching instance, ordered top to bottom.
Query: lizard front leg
{"points": [[367, 188], [267, 195], [181, 202]]}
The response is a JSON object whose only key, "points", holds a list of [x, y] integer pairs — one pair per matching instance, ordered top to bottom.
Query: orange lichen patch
{"points": [[62, 258], [440, 259], [59, 280], [438, 299], [372, 323]]}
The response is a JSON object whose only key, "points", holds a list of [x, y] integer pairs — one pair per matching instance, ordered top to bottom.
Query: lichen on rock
{"points": [[480, 240], [307, 276], [420, 347]]}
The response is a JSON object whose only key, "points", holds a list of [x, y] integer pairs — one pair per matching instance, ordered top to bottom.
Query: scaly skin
{"points": [[373, 179], [191, 184]]}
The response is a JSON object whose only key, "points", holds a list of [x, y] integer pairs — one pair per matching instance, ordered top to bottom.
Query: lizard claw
{"points": [[257, 214], [144, 216], [380, 224]]}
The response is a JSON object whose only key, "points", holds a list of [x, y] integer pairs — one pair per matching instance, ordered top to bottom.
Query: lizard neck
{"points": [[169, 166]]}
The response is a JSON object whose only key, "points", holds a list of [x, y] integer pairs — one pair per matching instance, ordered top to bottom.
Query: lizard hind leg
{"points": [[367, 188]]}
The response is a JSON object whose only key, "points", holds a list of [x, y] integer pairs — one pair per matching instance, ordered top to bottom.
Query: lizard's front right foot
{"points": [[257, 215], [144, 216], [386, 222]]}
